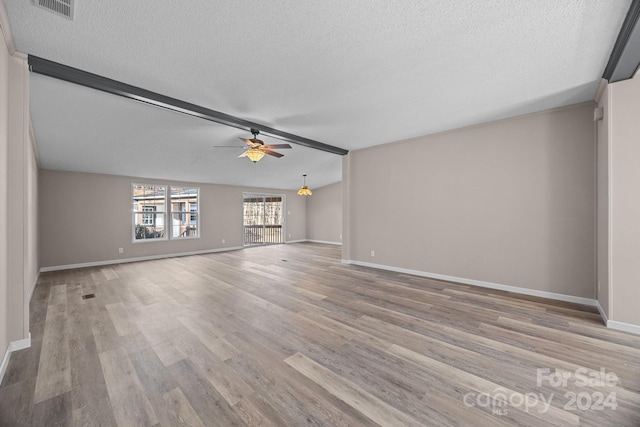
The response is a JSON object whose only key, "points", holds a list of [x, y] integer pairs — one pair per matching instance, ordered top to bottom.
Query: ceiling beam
{"points": [[625, 56], [94, 81]]}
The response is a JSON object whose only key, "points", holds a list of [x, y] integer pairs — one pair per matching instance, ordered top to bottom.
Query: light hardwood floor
{"points": [[287, 335]]}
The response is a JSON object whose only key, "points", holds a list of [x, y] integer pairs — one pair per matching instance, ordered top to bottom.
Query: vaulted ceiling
{"points": [[351, 74]]}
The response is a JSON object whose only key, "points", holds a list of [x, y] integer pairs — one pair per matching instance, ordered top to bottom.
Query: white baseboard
{"points": [[324, 242], [152, 257], [136, 259], [490, 285], [602, 313], [620, 326], [625, 327], [21, 344], [13, 346], [5, 362]]}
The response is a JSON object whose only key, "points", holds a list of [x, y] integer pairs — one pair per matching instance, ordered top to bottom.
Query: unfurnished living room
{"points": [[323, 213]]}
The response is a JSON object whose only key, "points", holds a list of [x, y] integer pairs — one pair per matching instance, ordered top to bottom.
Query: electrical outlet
{"points": [[288, 212], [289, 235], [341, 237], [223, 241], [120, 250], [373, 253]]}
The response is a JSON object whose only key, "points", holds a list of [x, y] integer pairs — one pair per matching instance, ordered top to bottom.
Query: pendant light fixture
{"points": [[254, 154], [304, 190]]}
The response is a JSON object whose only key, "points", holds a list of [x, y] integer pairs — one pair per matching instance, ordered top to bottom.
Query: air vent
{"points": [[59, 7]]}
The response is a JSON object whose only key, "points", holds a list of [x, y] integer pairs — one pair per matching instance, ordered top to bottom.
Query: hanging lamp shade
{"points": [[254, 154], [304, 190]]}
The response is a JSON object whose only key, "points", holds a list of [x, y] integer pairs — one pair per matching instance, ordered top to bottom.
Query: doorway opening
{"points": [[263, 221]]}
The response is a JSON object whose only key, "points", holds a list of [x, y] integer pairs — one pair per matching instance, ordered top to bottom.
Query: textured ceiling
{"points": [[350, 74]]}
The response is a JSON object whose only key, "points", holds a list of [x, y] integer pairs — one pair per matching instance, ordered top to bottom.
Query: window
{"points": [[149, 212], [184, 212], [194, 214], [148, 219], [263, 219]]}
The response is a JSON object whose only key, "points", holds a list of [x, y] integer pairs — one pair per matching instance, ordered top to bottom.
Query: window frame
{"points": [[167, 213], [155, 214], [185, 215], [284, 215]]}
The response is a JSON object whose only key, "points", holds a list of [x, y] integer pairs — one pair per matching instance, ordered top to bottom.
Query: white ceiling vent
{"points": [[59, 7]]}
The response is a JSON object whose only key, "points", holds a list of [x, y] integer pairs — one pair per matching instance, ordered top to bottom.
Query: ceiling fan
{"points": [[257, 149]]}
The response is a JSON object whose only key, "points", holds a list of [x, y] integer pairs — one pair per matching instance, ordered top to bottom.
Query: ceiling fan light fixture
{"points": [[255, 154], [304, 190]]}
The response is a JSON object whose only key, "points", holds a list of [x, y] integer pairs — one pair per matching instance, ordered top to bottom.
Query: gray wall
{"points": [[4, 142], [18, 194], [625, 201], [509, 202], [324, 214], [86, 217], [603, 231]]}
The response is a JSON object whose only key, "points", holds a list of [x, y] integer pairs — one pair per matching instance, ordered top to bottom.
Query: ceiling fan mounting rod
{"points": [[94, 81]]}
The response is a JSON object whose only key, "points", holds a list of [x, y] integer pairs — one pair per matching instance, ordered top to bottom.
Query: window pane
{"points": [[149, 211], [184, 212], [194, 215], [263, 219], [148, 226], [181, 228]]}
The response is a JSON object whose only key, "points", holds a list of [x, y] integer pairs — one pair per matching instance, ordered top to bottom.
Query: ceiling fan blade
{"points": [[253, 143], [278, 146], [272, 153]]}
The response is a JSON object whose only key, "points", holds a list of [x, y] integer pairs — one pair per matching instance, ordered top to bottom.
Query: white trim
{"points": [[601, 85], [324, 242], [136, 259], [33, 287], [524, 291], [602, 313], [612, 324], [625, 327], [21, 344], [13, 346], [5, 362]]}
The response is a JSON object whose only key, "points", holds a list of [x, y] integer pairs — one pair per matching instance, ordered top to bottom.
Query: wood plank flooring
{"points": [[288, 336]]}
